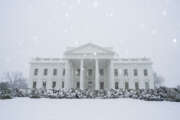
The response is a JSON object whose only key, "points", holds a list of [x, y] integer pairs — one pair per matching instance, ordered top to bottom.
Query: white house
{"points": [[93, 67]]}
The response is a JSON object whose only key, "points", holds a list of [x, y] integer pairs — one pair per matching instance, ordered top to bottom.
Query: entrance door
{"points": [[90, 78]]}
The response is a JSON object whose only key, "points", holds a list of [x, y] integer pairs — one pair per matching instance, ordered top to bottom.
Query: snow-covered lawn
{"points": [[87, 109]]}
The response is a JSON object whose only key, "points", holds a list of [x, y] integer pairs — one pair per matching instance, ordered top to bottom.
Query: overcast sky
{"points": [[134, 28]]}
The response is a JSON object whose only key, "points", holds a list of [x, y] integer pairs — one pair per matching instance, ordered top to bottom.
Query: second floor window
{"points": [[35, 71], [101, 71], [45, 72], [54, 72], [64, 72], [77, 72], [115, 72], [125, 72], [135, 72], [145, 72], [34, 84], [44, 84], [53, 84]]}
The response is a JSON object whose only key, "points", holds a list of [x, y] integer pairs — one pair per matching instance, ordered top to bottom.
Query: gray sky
{"points": [[134, 28]]}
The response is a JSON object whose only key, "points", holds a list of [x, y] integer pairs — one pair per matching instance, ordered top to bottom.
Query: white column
{"points": [[82, 74], [67, 75], [97, 75], [112, 86]]}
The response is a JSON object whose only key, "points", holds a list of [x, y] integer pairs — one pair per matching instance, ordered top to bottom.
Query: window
{"points": [[35, 71], [101, 71], [45, 72], [54, 72], [64, 72], [77, 72], [89, 72], [116, 72], [125, 72], [135, 72], [145, 72], [34, 84], [53, 84], [62, 84], [44, 85], [77, 85], [101, 85], [116, 85], [126, 85], [136, 85], [146, 85]]}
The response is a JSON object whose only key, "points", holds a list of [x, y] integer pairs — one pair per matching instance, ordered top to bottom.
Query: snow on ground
{"points": [[87, 109]]}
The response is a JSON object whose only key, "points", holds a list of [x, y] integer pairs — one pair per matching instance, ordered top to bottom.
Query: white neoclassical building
{"points": [[91, 67]]}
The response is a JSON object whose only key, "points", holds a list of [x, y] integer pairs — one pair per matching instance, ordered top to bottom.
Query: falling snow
{"points": [[95, 4]]}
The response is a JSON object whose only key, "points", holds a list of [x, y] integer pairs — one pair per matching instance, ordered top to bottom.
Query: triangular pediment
{"points": [[89, 49]]}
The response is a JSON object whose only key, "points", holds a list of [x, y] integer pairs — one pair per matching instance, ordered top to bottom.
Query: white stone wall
{"points": [[50, 77], [121, 79]]}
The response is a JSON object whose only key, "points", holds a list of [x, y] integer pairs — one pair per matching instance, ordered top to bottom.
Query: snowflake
{"points": [[78, 2], [95, 4], [164, 13], [66, 14], [142, 26], [154, 32], [174, 40]]}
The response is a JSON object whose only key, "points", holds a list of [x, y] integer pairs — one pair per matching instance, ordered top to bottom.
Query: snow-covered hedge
{"points": [[160, 94]]}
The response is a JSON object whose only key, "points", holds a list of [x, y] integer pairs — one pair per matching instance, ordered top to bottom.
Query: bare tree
{"points": [[15, 80], [158, 80]]}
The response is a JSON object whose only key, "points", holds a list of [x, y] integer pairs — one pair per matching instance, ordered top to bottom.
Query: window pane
{"points": [[35, 71], [101, 71], [45, 72], [55, 72], [64, 72], [115, 72], [125, 72], [135, 72], [145, 72], [34, 84], [53, 84], [62, 84], [44, 85], [78, 85], [101, 85], [116, 85], [126, 85], [136, 85], [146, 85]]}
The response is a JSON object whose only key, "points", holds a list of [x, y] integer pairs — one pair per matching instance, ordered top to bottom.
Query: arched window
{"points": [[36, 72], [45, 72], [54, 72], [64, 72], [116, 72], [125, 72], [135, 72], [145, 72], [34, 84], [44, 84], [53, 84], [62, 84], [78, 85], [101, 85], [116, 85], [126, 85], [136, 85], [146, 85]]}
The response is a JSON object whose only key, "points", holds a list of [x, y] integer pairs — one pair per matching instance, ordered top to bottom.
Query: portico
{"points": [[91, 67]]}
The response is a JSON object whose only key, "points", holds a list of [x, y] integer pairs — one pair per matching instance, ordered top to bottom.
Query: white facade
{"points": [[91, 67]]}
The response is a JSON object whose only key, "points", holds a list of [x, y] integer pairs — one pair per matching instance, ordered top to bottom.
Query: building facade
{"points": [[91, 67]]}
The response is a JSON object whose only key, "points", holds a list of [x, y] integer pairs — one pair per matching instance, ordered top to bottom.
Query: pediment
{"points": [[89, 49]]}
